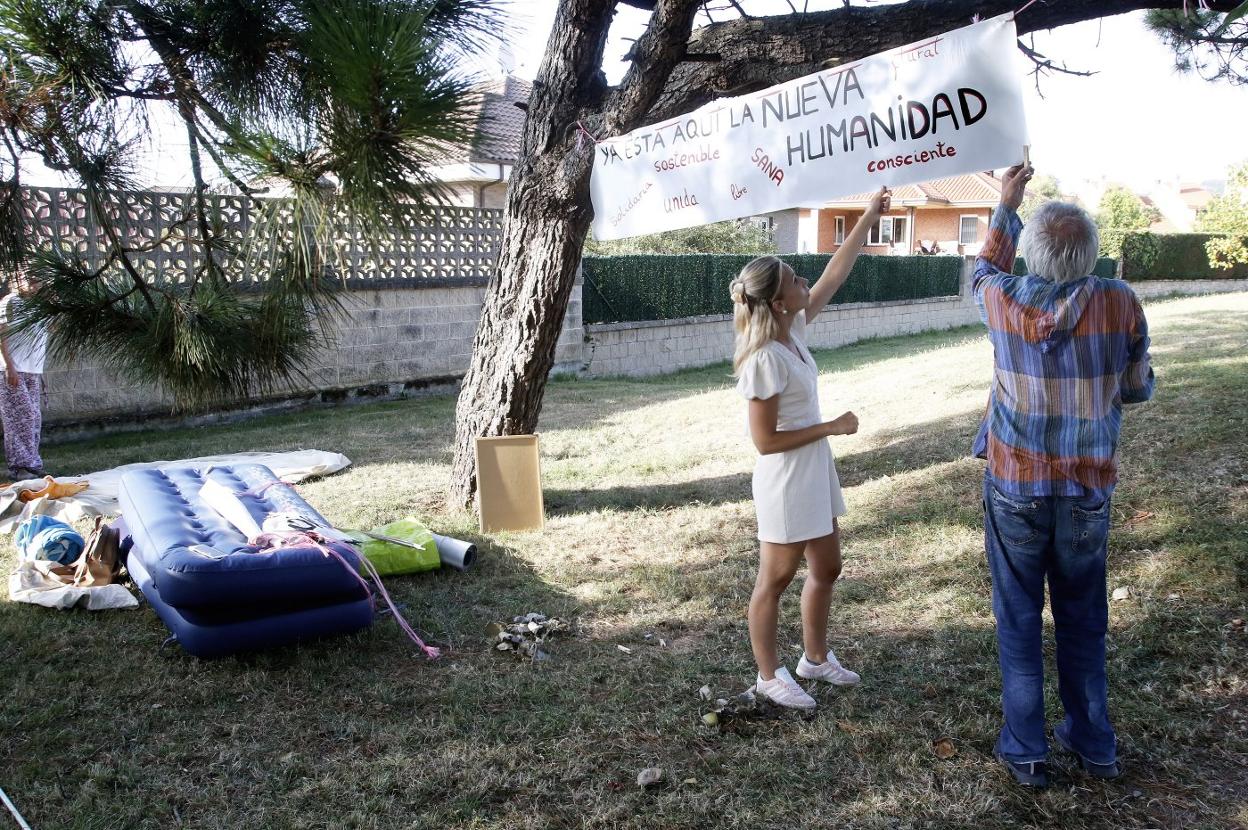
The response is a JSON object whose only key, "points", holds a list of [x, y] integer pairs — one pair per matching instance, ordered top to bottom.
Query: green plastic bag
{"points": [[392, 558]]}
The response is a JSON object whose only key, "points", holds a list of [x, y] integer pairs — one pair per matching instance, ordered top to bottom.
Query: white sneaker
{"points": [[830, 672], [783, 690]]}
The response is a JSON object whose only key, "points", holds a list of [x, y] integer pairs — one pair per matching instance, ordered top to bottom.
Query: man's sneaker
{"points": [[830, 672], [783, 690], [1108, 771], [1028, 773]]}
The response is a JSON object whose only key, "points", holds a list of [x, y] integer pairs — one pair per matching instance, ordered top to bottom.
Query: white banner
{"points": [[947, 105]]}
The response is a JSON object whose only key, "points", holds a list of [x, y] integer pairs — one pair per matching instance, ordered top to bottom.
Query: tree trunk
{"points": [[548, 216], [546, 221]]}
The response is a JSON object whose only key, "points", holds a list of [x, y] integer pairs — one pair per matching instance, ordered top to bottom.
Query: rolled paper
{"points": [[455, 552]]}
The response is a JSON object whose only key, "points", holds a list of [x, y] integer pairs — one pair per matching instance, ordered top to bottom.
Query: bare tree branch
{"points": [[659, 50], [764, 51], [1045, 64]]}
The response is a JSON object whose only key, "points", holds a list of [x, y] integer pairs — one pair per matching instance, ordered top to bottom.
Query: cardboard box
{"points": [[509, 484]]}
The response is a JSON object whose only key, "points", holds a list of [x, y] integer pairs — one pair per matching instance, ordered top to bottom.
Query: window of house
{"points": [[840, 230], [890, 230], [899, 230], [877, 233], [968, 233]]}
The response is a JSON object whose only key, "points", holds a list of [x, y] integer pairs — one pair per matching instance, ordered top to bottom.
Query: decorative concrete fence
{"points": [[441, 243], [412, 294]]}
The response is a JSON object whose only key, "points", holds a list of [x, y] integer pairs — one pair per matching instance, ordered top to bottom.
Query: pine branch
{"points": [[139, 283]]}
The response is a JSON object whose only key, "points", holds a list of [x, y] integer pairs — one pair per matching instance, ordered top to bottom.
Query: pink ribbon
{"points": [[288, 539]]}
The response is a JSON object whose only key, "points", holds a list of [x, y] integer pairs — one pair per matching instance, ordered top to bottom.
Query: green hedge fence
{"points": [[1173, 256], [1106, 267], [636, 287]]}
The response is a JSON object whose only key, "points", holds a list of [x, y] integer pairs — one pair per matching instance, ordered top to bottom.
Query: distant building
{"points": [[476, 176], [1179, 203], [948, 215]]}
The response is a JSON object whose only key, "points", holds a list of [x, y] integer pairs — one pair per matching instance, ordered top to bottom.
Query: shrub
{"points": [[1173, 256]]}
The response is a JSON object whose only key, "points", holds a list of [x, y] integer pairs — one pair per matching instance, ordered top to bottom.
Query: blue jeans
{"points": [[1064, 538]]}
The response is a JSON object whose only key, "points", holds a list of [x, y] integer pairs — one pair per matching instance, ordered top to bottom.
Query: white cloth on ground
{"points": [[797, 494], [100, 498], [30, 582]]}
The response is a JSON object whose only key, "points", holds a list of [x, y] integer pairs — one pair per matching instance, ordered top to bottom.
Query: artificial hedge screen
{"points": [[1106, 267], [638, 287]]}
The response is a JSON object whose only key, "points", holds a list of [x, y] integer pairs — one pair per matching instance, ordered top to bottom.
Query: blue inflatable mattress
{"points": [[195, 558], [225, 630]]}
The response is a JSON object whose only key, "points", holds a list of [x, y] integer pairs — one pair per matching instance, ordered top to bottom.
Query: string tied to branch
{"points": [[582, 134]]}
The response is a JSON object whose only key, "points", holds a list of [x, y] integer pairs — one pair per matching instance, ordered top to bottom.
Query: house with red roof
{"points": [[947, 215]]}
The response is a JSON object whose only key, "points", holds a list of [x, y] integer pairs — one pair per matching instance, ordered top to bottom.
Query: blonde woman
{"points": [[797, 495]]}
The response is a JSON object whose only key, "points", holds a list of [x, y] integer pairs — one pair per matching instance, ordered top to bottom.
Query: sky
{"points": [[1136, 121]]}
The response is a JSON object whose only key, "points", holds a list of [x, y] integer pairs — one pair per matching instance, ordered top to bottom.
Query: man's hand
{"points": [[1014, 183], [879, 204]]}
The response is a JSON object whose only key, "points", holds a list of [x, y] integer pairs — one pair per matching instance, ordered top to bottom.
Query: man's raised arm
{"points": [[997, 254]]}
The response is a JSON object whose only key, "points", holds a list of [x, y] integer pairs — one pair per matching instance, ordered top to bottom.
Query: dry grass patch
{"points": [[649, 545]]}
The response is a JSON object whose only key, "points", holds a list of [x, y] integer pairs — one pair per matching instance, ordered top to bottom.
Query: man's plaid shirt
{"points": [[1067, 357]]}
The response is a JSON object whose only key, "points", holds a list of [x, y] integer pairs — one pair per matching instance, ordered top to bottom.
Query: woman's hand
{"points": [[880, 204], [10, 376], [845, 424]]}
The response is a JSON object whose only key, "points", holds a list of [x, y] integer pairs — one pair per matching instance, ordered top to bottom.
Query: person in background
{"points": [[1070, 349], [23, 353], [797, 495]]}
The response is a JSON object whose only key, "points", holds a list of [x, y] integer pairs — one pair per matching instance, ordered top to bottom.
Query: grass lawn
{"points": [[649, 539]]}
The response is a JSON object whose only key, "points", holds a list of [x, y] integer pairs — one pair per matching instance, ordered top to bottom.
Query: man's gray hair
{"points": [[1060, 242]]}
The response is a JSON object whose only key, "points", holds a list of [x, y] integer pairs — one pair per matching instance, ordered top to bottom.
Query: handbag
{"points": [[100, 562]]}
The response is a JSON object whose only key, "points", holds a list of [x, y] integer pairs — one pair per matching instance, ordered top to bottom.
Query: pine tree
{"points": [[362, 95]]}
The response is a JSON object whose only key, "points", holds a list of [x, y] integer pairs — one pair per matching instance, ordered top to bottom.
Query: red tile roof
{"points": [[498, 122], [972, 188], [1195, 196]]}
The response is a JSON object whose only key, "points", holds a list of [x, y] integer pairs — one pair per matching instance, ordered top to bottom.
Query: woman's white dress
{"points": [[797, 493]]}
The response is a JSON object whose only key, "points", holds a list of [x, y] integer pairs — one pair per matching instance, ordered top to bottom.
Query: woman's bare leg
{"points": [[823, 558], [776, 566]]}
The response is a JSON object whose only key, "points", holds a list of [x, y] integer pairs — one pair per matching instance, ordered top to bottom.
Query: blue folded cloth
{"points": [[43, 537]]}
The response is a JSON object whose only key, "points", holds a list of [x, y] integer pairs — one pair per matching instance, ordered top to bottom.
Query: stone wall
{"points": [[1160, 288], [390, 341], [394, 341]]}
